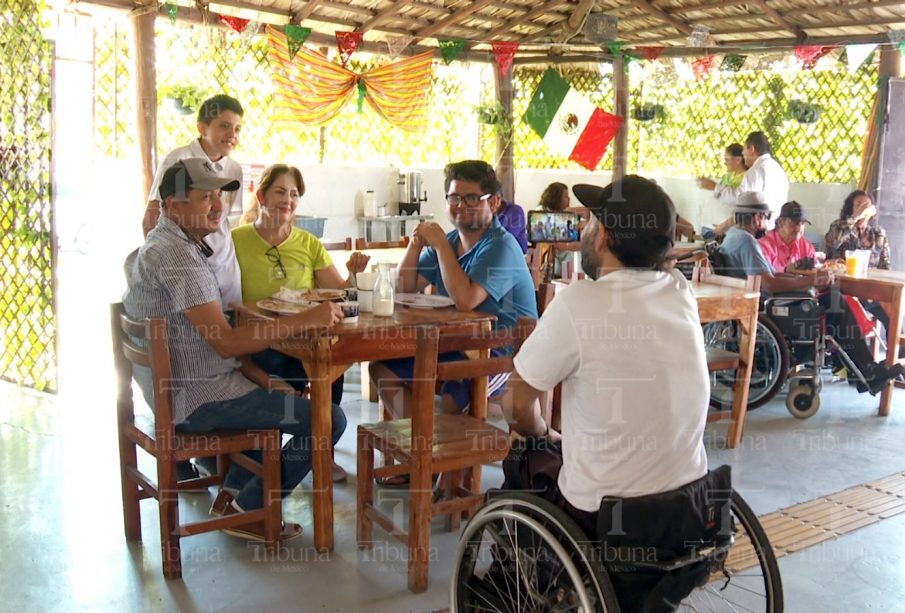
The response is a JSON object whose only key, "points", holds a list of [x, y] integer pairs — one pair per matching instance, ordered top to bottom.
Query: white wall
{"points": [[337, 193]]}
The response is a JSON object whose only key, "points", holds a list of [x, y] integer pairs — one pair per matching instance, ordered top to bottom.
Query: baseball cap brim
{"points": [[619, 205]]}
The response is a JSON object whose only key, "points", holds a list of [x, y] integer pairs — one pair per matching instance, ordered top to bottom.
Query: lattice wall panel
{"points": [[27, 319]]}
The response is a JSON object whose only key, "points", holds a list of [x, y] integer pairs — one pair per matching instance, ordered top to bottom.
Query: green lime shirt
{"points": [[301, 255]]}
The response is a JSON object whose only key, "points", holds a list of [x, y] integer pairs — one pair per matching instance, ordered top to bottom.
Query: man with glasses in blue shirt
{"points": [[479, 265]]}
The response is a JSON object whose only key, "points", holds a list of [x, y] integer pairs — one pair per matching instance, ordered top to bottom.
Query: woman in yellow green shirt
{"points": [[272, 253]]}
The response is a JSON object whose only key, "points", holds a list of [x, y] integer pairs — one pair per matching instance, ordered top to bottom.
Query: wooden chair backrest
{"points": [[363, 243], [345, 245], [533, 259], [705, 274], [545, 293], [430, 343], [152, 351]]}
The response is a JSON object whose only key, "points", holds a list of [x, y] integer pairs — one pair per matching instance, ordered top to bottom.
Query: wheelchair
{"points": [[791, 344], [520, 552]]}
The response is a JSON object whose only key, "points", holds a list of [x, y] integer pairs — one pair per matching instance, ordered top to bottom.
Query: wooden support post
{"points": [[890, 62], [146, 92], [620, 143], [504, 170]]}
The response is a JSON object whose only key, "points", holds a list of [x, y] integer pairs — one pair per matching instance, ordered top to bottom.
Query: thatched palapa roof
{"points": [[554, 29]]}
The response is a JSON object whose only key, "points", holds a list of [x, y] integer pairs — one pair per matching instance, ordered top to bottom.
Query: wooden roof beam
{"points": [[432, 8], [836, 8], [305, 13], [384, 15], [457, 17], [526, 18], [779, 20], [678, 24]]}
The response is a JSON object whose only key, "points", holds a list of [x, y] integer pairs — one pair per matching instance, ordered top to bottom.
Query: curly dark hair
{"points": [[551, 199], [848, 207]]}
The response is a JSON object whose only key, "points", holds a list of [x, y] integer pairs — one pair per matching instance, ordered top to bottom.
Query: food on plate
{"points": [[309, 295], [281, 306]]}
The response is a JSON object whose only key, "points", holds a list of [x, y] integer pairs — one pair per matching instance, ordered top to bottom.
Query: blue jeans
{"points": [[290, 370], [259, 410]]}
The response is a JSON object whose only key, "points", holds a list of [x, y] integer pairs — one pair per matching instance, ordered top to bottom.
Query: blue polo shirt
{"points": [[743, 254], [496, 262]]}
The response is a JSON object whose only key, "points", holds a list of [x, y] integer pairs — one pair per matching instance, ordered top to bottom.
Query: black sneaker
{"points": [[880, 378], [206, 466], [185, 470]]}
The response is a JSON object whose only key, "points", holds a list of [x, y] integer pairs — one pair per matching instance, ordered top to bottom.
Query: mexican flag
{"points": [[569, 123]]}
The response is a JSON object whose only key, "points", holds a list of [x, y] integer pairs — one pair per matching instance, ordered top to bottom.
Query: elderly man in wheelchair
{"points": [[804, 314], [622, 512]]}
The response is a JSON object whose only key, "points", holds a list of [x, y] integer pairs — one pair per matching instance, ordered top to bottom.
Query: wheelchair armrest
{"points": [[791, 297]]}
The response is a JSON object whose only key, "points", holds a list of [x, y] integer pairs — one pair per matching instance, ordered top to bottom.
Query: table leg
{"points": [[894, 310], [747, 335], [322, 444]]}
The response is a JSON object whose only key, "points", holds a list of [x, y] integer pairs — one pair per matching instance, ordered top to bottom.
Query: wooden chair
{"points": [[362, 244], [345, 245], [158, 437], [426, 444]]}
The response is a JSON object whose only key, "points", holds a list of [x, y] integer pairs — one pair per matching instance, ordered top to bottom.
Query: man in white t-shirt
{"points": [[219, 125], [764, 175], [627, 346]]}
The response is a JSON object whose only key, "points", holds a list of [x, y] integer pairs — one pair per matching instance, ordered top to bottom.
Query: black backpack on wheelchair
{"points": [[654, 550]]}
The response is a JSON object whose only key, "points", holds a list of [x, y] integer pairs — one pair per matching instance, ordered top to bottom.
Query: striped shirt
{"points": [[166, 277]]}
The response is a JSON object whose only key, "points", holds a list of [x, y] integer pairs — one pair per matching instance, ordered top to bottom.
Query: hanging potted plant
{"points": [[185, 99], [647, 111], [803, 111], [494, 115]]}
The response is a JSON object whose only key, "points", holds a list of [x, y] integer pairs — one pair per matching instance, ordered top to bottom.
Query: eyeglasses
{"points": [[469, 200], [279, 271]]}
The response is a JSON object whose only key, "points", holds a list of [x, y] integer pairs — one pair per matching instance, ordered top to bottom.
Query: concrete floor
{"points": [[62, 546]]}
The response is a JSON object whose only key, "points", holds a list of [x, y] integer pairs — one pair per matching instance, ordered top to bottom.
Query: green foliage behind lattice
{"points": [[213, 61], [114, 99], [705, 116], [701, 117], [529, 150], [27, 318]]}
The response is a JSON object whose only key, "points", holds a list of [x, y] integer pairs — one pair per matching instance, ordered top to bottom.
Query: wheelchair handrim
{"points": [[500, 510]]}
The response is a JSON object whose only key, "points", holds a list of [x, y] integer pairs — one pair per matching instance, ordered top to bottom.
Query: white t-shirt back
{"points": [[767, 177], [223, 261], [629, 350]]}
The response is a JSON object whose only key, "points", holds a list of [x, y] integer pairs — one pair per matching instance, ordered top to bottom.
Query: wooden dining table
{"points": [[886, 287], [724, 303], [328, 352]]}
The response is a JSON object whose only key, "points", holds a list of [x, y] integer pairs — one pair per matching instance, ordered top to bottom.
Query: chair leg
{"points": [[365, 478], [472, 483], [420, 494], [273, 496], [168, 504], [131, 508], [454, 519]]}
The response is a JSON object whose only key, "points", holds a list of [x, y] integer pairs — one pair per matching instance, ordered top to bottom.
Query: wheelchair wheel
{"points": [[768, 371], [803, 400], [522, 553], [749, 579]]}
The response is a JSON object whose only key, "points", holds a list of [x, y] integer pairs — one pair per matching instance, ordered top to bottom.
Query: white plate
{"points": [[305, 296], [424, 301], [281, 306]]}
